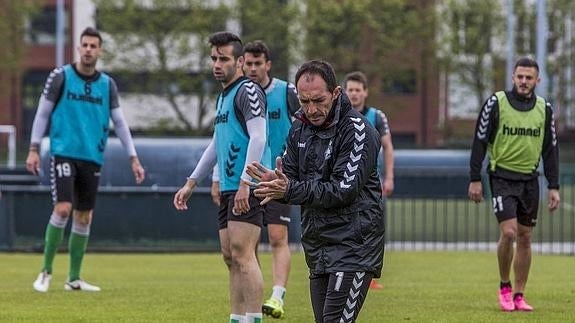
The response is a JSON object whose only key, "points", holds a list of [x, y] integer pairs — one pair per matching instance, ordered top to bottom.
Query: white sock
{"points": [[58, 221], [278, 292], [253, 317], [237, 318]]}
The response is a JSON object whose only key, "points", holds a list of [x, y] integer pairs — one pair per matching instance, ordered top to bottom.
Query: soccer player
{"points": [[355, 84], [78, 102], [282, 103], [517, 128], [240, 133], [330, 169]]}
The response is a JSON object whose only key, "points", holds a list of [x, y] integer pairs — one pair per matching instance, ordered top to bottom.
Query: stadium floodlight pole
{"points": [[60, 32], [510, 44], [541, 48]]}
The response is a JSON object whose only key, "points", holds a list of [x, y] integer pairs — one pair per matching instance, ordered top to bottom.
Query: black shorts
{"points": [[75, 181], [515, 199], [277, 213], [254, 216], [338, 297]]}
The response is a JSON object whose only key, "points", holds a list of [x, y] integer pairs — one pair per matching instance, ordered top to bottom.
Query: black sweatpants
{"points": [[338, 297]]}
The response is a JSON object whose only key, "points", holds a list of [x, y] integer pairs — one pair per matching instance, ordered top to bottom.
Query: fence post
{"points": [[11, 131]]}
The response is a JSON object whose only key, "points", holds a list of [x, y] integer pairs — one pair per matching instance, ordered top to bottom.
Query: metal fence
{"points": [[428, 210], [143, 219], [455, 223]]}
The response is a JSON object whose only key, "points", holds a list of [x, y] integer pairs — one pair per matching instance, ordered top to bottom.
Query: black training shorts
{"points": [[75, 181], [512, 199], [277, 213], [225, 214]]}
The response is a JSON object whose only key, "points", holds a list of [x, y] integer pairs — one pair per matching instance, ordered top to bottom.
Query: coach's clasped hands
{"points": [[269, 184]]}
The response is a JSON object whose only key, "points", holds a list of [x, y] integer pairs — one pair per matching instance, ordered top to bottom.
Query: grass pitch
{"points": [[419, 287]]}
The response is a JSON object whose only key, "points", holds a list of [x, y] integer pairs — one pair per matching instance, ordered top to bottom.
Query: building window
{"points": [[41, 30]]}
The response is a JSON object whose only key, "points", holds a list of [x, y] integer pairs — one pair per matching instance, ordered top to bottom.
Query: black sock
{"points": [[504, 284], [517, 295]]}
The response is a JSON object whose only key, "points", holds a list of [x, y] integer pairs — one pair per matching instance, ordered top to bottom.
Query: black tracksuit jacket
{"points": [[332, 173]]}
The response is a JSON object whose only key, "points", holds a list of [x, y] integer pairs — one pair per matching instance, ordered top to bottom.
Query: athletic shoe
{"points": [[42, 283], [80, 285], [375, 285], [506, 299], [521, 304], [273, 308]]}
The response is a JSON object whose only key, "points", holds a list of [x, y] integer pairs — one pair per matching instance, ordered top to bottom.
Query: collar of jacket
{"points": [[521, 98], [521, 102]]}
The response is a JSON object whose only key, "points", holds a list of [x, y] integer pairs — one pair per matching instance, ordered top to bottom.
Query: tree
{"points": [[13, 17], [260, 20], [370, 35], [391, 41], [160, 47], [467, 48], [560, 67]]}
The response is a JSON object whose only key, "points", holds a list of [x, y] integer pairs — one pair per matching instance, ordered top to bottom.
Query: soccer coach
{"points": [[330, 169]]}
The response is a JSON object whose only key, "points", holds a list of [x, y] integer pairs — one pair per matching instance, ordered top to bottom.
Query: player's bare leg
{"points": [[243, 238]]}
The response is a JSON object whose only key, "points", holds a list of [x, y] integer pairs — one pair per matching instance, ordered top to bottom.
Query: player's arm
{"points": [[48, 99], [251, 104], [252, 107], [382, 126], [123, 132], [484, 133], [387, 144], [550, 152], [550, 156], [205, 165], [203, 169], [215, 188]]}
